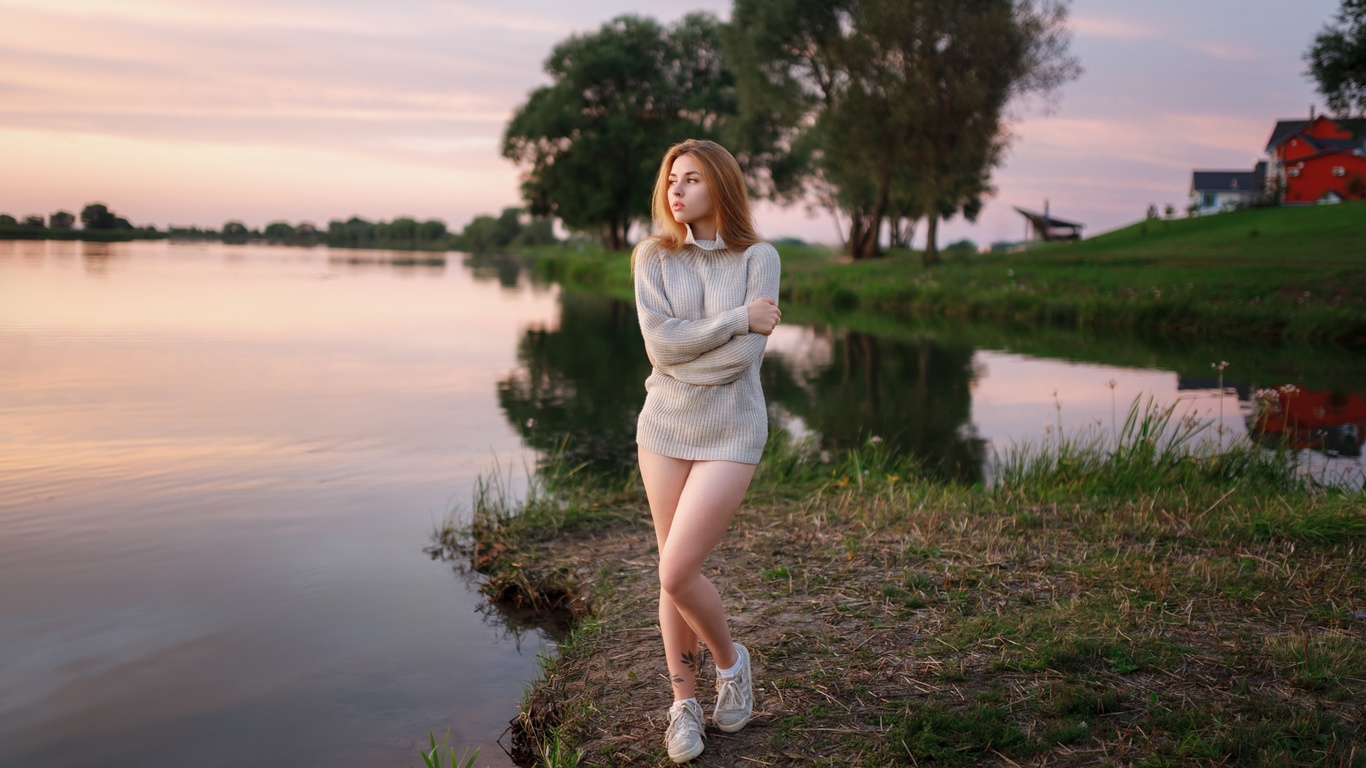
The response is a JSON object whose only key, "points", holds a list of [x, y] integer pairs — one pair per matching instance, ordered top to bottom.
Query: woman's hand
{"points": [[764, 315]]}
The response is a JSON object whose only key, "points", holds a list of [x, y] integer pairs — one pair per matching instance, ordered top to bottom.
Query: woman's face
{"points": [[689, 197]]}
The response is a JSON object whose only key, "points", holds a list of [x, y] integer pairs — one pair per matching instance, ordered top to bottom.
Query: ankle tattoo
{"points": [[692, 661]]}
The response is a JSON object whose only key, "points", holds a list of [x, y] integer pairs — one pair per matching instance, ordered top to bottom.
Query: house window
{"points": [[1339, 171], [1207, 200]]}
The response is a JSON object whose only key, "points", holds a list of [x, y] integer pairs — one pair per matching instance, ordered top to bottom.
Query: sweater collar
{"points": [[707, 245]]}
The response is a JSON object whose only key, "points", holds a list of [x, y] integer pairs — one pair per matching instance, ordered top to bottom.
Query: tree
{"points": [[1337, 60], [900, 104], [590, 143], [97, 216], [7, 220], [61, 220], [431, 230], [235, 232], [279, 232], [486, 234]]}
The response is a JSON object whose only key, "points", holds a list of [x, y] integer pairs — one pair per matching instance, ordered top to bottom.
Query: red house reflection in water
{"points": [[1331, 422]]}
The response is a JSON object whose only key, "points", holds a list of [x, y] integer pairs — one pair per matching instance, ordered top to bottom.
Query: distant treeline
{"points": [[97, 223], [485, 234]]}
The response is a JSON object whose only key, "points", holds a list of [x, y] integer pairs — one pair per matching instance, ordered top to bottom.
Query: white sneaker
{"points": [[735, 697], [686, 732]]}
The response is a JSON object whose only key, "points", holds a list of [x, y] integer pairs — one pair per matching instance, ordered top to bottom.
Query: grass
{"points": [[1266, 273], [1153, 451], [1146, 606], [435, 757]]}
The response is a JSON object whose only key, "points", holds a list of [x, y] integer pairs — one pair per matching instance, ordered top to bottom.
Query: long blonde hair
{"points": [[734, 222]]}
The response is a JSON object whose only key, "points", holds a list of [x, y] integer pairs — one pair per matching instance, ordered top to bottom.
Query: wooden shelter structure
{"points": [[1042, 226]]}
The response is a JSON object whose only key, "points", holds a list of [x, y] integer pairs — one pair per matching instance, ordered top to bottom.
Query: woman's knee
{"points": [[675, 577]]}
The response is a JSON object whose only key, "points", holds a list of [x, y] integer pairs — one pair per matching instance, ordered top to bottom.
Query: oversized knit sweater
{"points": [[703, 399]]}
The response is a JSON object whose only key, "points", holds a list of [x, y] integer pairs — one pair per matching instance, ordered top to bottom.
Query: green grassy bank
{"points": [[1255, 274], [1148, 602]]}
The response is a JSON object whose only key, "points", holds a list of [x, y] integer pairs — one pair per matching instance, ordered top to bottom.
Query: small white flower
{"points": [[530, 423], [875, 440], [826, 457]]}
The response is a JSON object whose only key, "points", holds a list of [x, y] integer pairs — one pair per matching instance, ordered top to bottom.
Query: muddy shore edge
{"points": [[900, 621]]}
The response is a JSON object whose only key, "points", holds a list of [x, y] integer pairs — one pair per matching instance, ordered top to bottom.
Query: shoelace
{"points": [[728, 695], [677, 727]]}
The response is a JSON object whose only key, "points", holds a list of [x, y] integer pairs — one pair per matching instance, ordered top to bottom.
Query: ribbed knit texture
{"points": [[704, 400]]}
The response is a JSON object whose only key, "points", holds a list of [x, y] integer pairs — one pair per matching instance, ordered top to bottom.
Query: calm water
{"points": [[219, 467], [218, 470]]}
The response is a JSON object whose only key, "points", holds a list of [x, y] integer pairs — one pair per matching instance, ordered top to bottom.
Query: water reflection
{"points": [[98, 258], [400, 263], [507, 270], [584, 379], [915, 395], [945, 395], [1332, 423], [216, 466]]}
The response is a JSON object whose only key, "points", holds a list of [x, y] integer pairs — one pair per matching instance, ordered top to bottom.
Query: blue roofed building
{"points": [[1215, 191]]}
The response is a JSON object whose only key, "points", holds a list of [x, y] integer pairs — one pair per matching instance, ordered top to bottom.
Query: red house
{"points": [[1318, 160]]}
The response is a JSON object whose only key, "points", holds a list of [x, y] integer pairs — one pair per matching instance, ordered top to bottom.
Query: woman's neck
{"points": [[704, 230]]}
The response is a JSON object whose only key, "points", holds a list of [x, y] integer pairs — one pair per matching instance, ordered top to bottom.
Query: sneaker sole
{"points": [[731, 728], [689, 755]]}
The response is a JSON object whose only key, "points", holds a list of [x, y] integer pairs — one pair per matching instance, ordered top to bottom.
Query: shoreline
{"points": [[1263, 274], [896, 620]]}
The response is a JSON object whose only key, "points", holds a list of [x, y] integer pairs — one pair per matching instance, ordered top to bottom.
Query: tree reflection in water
{"points": [[585, 382], [580, 387], [914, 395]]}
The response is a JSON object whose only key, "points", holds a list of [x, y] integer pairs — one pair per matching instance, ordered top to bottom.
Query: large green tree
{"points": [[1337, 60], [899, 104], [590, 143], [98, 216]]}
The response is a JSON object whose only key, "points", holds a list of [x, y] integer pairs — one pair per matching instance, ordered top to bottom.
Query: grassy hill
{"points": [[1322, 236], [1257, 274]]}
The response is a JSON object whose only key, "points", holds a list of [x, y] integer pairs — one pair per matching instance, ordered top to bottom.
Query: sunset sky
{"points": [[191, 112]]}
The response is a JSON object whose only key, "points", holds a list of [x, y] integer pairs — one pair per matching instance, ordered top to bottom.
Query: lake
{"points": [[220, 467]]}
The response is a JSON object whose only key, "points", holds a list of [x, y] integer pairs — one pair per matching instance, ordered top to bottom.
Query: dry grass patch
{"points": [[900, 622]]}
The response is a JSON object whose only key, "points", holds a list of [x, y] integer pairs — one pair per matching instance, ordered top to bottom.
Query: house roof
{"points": [[1285, 128], [1223, 181], [1047, 221]]}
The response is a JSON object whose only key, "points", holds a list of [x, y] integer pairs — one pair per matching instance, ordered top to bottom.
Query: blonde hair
{"points": [[730, 200]]}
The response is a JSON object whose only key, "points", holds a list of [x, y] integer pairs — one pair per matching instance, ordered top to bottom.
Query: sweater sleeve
{"points": [[670, 340], [729, 361]]}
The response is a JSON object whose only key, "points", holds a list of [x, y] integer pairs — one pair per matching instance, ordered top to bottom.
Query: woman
{"points": [[707, 297]]}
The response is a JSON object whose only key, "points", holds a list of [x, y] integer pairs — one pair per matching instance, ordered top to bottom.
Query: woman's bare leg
{"points": [[664, 478], [688, 527]]}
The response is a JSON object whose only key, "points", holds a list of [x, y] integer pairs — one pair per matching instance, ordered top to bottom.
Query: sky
{"points": [[193, 112]]}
